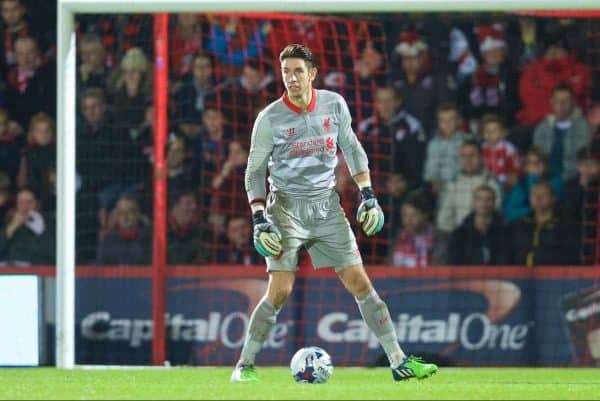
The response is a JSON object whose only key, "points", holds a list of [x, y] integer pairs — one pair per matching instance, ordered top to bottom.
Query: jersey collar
{"points": [[296, 109]]}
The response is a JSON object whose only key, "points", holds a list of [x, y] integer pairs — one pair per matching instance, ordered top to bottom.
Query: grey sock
{"points": [[376, 315], [262, 320]]}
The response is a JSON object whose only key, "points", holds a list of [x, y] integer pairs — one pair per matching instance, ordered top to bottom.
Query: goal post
{"points": [[66, 112]]}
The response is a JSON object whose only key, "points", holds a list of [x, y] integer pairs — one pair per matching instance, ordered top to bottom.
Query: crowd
{"points": [[480, 133]]}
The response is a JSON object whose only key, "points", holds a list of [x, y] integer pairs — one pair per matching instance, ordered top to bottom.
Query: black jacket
{"points": [[469, 246]]}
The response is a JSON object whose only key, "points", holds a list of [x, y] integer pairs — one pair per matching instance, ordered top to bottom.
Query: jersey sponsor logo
{"points": [[311, 147]]}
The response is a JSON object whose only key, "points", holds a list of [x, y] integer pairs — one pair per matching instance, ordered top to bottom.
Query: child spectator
{"points": [[40, 154], [501, 157], [442, 161]]}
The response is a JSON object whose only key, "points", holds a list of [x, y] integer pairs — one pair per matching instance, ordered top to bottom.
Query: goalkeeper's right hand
{"points": [[267, 238]]}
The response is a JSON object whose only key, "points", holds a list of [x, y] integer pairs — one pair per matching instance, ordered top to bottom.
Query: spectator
{"points": [[14, 26], [185, 40], [224, 40], [92, 71], [540, 78], [31, 83], [492, 88], [421, 89], [131, 90], [192, 95], [238, 101], [563, 134], [215, 137], [394, 138], [10, 149], [40, 154], [501, 158], [442, 162], [95, 164], [535, 169], [181, 176], [227, 194], [456, 198], [391, 200], [580, 204], [28, 235], [185, 236], [542, 238], [480, 239], [129, 241], [419, 244], [235, 245]]}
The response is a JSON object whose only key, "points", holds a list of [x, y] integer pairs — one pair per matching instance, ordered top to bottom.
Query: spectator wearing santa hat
{"points": [[492, 88], [421, 89]]}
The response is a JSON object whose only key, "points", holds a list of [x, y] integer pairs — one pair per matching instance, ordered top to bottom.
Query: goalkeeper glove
{"points": [[369, 212], [267, 238]]}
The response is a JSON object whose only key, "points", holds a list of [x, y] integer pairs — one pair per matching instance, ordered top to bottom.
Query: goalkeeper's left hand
{"points": [[369, 212], [267, 238]]}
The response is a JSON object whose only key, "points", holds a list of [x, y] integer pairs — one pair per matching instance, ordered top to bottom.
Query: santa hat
{"points": [[490, 37], [410, 44]]}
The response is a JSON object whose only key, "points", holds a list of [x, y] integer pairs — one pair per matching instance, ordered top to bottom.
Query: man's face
{"points": [[12, 12], [26, 53], [92, 54], [494, 58], [411, 64], [202, 69], [252, 76], [297, 77], [386, 103], [562, 104], [93, 109], [212, 120], [447, 121], [41, 133], [176, 154], [470, 159], [589, 168], [541, 198], [26, 202], [483, 202], [186, 209], [127, 214], [412, 218], [238, 231]]}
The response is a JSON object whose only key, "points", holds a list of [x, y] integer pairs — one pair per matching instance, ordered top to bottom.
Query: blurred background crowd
{"points": [[481, 130]]}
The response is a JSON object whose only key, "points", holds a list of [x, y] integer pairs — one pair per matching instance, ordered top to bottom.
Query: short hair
{"points": [[296, 50], [205, 55], [563, 87], [94, 92], [448, 106], [42, 117], [492, 118], [472, 142], [537, 152], [544, 183], [487, 188], [130, 198], [419, 200]]}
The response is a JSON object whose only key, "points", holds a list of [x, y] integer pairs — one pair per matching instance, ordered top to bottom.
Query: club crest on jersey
{"points": [[327, 124], [330, 144]]}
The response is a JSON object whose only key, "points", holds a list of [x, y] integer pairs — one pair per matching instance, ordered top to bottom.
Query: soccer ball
{"points": [[311, 365]]}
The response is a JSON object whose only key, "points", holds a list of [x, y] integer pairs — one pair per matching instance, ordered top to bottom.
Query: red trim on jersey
{"points": [[296, 109], [257, 200]]}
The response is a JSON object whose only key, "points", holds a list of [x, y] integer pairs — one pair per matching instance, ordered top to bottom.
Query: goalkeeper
{"points": [[296, 138]]}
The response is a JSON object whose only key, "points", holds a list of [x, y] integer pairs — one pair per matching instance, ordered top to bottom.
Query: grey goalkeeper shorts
{"points": [[317, 223]]}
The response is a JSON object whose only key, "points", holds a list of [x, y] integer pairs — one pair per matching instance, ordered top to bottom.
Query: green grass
{"points": [[276, 383]]}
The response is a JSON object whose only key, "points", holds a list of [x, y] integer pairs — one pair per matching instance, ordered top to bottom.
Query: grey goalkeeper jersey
{"points": [[299, 147]]}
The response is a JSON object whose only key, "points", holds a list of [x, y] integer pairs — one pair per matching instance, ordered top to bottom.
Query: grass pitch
{"points": [[276, 383]]}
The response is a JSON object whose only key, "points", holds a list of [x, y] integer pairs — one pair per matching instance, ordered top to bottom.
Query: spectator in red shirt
{"points": [[540, 77], [500, 156]]}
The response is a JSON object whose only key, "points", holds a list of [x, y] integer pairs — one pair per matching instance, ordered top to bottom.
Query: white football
{"points": [[311, 365]]}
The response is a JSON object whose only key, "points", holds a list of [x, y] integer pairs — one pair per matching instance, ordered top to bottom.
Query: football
{"points": [[311, 365]]}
